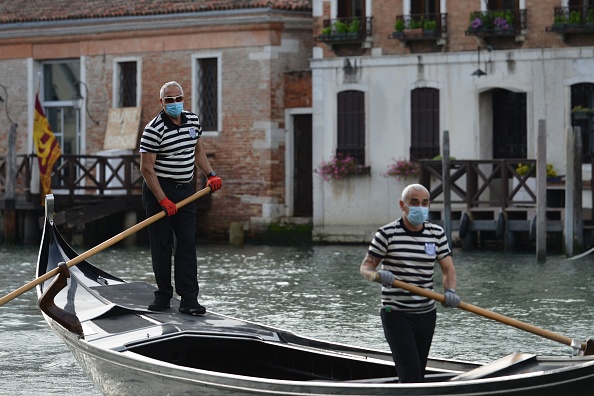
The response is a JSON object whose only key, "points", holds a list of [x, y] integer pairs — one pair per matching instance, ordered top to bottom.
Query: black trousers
{"points": [[173, 236], [409, 336]]}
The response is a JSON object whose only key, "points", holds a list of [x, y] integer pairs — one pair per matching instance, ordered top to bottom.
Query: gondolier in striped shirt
{"points": [[170, 149], [407, 249]]}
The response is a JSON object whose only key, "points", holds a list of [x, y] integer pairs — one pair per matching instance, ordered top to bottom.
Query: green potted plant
{"points": [[590, 18], [575, 19], [340, 26], [354, 26], [399, 27], [429, 27], [581, 113], [522, 169], [530, 182]]}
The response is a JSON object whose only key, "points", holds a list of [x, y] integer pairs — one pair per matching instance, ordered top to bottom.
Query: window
{"points": [[581, 3], [494, 5], [425, 7], [351, 8], [582, 8], [424, 14], [127, 84], [60, 86], [206, 93], [582, 96], [424, 123], [351, 125], [510, 128]]}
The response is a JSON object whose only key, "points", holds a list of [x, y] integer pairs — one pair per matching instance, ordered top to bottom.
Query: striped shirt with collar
{"points": [[175, 145], [410, 256]]}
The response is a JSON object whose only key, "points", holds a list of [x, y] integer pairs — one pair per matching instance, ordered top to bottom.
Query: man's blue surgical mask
{"points": [[174, 109], [417, 215]]}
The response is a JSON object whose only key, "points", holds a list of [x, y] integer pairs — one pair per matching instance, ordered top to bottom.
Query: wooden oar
{"points": [[111, 241], [487, 314]]}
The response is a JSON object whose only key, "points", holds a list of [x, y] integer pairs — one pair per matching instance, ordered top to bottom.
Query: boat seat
{"points": [[496, 367]]}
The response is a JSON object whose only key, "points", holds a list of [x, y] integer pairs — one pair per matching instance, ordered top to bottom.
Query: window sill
{"points": [[337, 38], [363, 170]]}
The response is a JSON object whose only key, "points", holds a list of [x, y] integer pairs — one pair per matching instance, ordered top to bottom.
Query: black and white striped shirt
{"points": [[174, 145], [410, 256]]}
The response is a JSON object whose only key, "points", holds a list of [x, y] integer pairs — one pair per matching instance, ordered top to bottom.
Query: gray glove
{"points": [[386, 278], [451, 299]]}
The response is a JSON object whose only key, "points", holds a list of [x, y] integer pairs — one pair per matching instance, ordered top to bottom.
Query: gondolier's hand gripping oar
{"points": [[113, 240], [575, 344]]}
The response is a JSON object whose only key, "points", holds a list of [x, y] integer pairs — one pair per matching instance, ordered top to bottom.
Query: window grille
{"points": [[207, 81], [127, 84], [424, 123], [351, 125]]}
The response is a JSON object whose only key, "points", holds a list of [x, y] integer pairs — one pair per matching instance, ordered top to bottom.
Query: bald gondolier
{"points": [[170, 149]]}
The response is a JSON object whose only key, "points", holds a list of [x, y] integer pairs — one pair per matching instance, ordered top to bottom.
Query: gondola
{"points": [[127, 350]]}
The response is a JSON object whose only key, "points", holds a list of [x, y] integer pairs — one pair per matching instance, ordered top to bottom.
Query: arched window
{"points": [[424, 123], [351, 125]]}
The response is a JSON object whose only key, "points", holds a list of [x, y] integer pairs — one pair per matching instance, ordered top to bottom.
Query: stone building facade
{"points": [[405, 71]]}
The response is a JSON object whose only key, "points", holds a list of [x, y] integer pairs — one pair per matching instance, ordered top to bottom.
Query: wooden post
{"points": [[570, 154], [445, 173], [541, 193], [9, 197], [578, 212]]}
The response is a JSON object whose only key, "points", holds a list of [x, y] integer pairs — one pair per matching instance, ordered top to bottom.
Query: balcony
{"points": [[573, 20], [497, 23], [420, 27], [345, 30]]}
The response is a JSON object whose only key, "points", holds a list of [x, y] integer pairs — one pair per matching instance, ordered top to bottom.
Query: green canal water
{"points": [[315, 291]]}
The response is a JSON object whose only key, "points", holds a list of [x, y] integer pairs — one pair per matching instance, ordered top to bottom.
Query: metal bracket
{"points": [[49, 208], [576, 346]]}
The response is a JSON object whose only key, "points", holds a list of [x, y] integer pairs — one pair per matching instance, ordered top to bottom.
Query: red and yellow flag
{"points": [[48, 149]]}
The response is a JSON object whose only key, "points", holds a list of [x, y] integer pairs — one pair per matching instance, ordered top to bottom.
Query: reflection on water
{"points": [[317, 292]]}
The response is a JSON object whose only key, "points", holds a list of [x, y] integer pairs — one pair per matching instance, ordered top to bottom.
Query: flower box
{"points": [[580, 115]]}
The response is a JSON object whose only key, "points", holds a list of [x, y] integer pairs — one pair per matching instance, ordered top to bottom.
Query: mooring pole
{"points": [[445, 174], [570, 184], [541, 193], [9, 195], [578, 212]]}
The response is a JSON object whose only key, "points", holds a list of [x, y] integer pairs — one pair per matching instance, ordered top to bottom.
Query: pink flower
{"points": [[337, 168], [402, 168]]}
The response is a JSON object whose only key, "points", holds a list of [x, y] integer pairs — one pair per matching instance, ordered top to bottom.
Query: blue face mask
{"points": [[174, 109], [417, 215]]}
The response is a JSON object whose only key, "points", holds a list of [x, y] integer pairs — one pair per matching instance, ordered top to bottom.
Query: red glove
{"points": [[215, 183], [169, 206]]}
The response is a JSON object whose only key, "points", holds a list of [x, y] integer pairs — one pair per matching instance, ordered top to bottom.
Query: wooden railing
{"points": [[81, 174], [476, 183]]}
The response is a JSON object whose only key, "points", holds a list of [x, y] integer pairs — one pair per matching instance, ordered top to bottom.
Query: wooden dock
{"points": [[87, 189], [491, 203]]}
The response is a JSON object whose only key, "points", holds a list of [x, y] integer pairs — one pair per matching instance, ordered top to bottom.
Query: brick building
{"points": [[241, 63]]}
